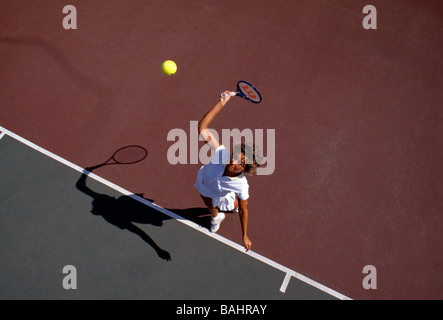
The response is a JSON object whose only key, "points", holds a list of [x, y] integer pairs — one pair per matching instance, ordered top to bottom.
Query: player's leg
{"points": [[217, 216]]}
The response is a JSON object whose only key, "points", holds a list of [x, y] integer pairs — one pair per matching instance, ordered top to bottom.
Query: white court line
{"points": [[288, 272], [285, 283]]}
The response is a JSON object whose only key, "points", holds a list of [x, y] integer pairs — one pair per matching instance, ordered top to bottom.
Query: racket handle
{"points": [[224, 95]]}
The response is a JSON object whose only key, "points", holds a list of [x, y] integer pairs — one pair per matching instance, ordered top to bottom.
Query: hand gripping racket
{"points": [[246, 91]]}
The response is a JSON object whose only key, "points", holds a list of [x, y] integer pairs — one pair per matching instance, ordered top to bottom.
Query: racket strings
{"points": [[248, 91]]}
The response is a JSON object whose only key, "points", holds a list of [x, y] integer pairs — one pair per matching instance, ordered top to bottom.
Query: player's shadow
{"points": [[124, 211], [200, 216]]}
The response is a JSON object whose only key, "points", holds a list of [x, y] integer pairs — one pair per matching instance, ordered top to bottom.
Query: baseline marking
{"points": [[288, 272]]}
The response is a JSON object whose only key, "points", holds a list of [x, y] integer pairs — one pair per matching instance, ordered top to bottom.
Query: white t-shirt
{"points": [[221, 189]]}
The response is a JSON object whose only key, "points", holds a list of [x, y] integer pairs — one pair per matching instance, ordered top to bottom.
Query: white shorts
{"points": [[225, 203]]}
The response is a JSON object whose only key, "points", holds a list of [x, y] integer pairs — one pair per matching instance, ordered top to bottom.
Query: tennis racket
{"points": [[246, 91]]}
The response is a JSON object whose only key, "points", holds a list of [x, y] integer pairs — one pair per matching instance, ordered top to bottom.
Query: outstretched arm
{"points": [[204, 123], [243, 212]]}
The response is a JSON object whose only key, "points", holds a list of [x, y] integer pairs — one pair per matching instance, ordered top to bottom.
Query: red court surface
{"points": [[357, 116]]}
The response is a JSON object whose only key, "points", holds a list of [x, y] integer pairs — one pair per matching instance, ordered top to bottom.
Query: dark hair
{"points": [[253, 156]]}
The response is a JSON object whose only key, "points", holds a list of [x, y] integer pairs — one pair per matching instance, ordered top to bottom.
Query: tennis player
{"points": [[222, 182]]}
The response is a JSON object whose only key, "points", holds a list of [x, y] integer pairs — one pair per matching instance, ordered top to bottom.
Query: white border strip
{"points": [[2, 134], [288, 272]]}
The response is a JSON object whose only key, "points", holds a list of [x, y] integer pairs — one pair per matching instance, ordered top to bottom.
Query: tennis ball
{"points": [[169, 67]]}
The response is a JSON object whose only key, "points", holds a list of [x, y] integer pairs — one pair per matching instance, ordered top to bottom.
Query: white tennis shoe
{"points": [[215, 222]]}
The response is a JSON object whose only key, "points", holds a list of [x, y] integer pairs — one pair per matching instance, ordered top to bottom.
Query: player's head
{"points": [[245, 158]]}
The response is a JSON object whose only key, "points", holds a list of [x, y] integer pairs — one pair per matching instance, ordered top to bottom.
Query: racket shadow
{"points": [[124, 211]]}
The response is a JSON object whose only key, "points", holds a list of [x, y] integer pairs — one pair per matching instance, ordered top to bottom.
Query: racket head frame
{"points": [[245, 96]]}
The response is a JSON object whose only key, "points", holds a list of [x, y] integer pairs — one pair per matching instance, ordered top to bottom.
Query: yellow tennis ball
{"points": [[169, 67]]}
